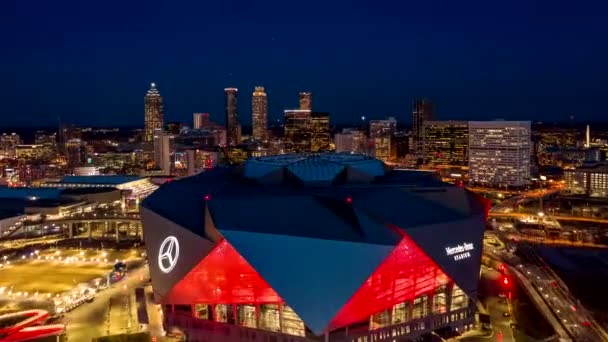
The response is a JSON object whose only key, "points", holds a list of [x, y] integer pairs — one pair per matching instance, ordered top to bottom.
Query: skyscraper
{"points": [[305, 100], [422, 110], [153, 112], [259, 114], [200, 120], [233, 129], [297, 129], [381, 132], [320, 138], [351, 141], [446, 142], [164, 144], [499, 153]]}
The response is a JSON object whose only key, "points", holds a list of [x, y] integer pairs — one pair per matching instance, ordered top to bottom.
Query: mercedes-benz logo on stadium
{"points": [[168, 254]]}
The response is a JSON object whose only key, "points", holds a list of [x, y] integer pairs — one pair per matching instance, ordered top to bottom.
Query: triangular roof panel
{"points": [[314, 276]]}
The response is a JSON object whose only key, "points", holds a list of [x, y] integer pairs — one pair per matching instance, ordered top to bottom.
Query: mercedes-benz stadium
{"points": [[333, 247]]}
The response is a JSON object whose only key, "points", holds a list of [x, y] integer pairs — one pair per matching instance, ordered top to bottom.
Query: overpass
{"points": [[90, 221]]}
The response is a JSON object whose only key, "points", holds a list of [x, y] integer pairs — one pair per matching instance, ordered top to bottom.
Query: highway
{"points": [[556, 217], [575, 320]]}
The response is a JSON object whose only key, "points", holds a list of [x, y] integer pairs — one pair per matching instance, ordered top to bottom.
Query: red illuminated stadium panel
{"points": [[406, 273], [223, 277]]}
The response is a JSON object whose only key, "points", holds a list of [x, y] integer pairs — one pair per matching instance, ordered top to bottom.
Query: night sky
{"points": [[91, 62]]}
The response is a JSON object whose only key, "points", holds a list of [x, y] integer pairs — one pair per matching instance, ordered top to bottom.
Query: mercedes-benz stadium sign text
{"points": [[461, 251]]}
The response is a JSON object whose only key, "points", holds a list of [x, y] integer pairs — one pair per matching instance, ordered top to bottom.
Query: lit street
{"points": [[91, 319]]}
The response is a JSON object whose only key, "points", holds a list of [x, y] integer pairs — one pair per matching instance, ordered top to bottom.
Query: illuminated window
{"points": [[459, 299], [440, 300], [421, 307], [203, 311], [224, 313], [401, 313], [246, 315], [269, 317], [380, 320], [291, 323]]}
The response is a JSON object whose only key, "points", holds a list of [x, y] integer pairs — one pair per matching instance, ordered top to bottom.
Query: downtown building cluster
{"points": [[484, 153]]}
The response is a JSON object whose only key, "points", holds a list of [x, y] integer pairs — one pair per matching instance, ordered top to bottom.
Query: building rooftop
{"points": [[592, 167], [99, 180], [29, 193], [333, 196]]}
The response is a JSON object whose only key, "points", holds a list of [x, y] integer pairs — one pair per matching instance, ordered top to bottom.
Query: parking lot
{"points": [[53, 271]]}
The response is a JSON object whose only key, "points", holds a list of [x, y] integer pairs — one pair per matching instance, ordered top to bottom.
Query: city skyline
{"points": [[471, 60]]}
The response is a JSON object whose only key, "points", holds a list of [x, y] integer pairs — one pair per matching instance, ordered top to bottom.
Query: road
{"points": [[556, 217], [496, 307], [112, 311], [578, 323]]}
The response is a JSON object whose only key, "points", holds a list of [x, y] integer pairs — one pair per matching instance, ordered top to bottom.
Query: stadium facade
{"points": [[317, 247]]}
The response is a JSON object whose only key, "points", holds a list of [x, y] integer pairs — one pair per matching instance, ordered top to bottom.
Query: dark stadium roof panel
{"points": [[336, 211]]}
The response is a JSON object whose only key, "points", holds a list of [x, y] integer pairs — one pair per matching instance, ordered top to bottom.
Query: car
{"points": [[502, 295], [506, 314]]}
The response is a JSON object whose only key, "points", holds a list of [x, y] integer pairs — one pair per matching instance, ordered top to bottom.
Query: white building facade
{"points": [[499, 153]]}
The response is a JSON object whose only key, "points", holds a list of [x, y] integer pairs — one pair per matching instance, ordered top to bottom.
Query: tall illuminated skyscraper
{"points": [[306, 101], [422, 110], [153, 113], [259, 114], [233, 129], [297, 129], [381, 132], [320, 138], [446, 142], [164, 148], [499, 153]]}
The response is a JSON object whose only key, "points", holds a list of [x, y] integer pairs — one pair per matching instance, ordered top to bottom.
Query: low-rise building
{"points": [[589, 179]]}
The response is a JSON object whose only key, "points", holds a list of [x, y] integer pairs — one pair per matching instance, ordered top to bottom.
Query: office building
{"points": [[306, 101], [422, 110], [153, 113], [259, 114], [200, 120], [233, 127], [174, 128], [297, 129], [380, 134], [42, 137], [320, 139], [351, 140], [446, 142], [8, 143], [400, 146], [164, 147], [31, 152], [76, 153], [499, 153], [201, 160], [590, 179], [356, 251]]}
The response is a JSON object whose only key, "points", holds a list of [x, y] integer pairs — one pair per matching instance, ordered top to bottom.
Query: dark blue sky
{"points": [[91, 61]]}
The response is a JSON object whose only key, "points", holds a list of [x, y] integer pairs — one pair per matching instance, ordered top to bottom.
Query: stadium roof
{"points": [[99, 180], [346, 197], [315, 227]]}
